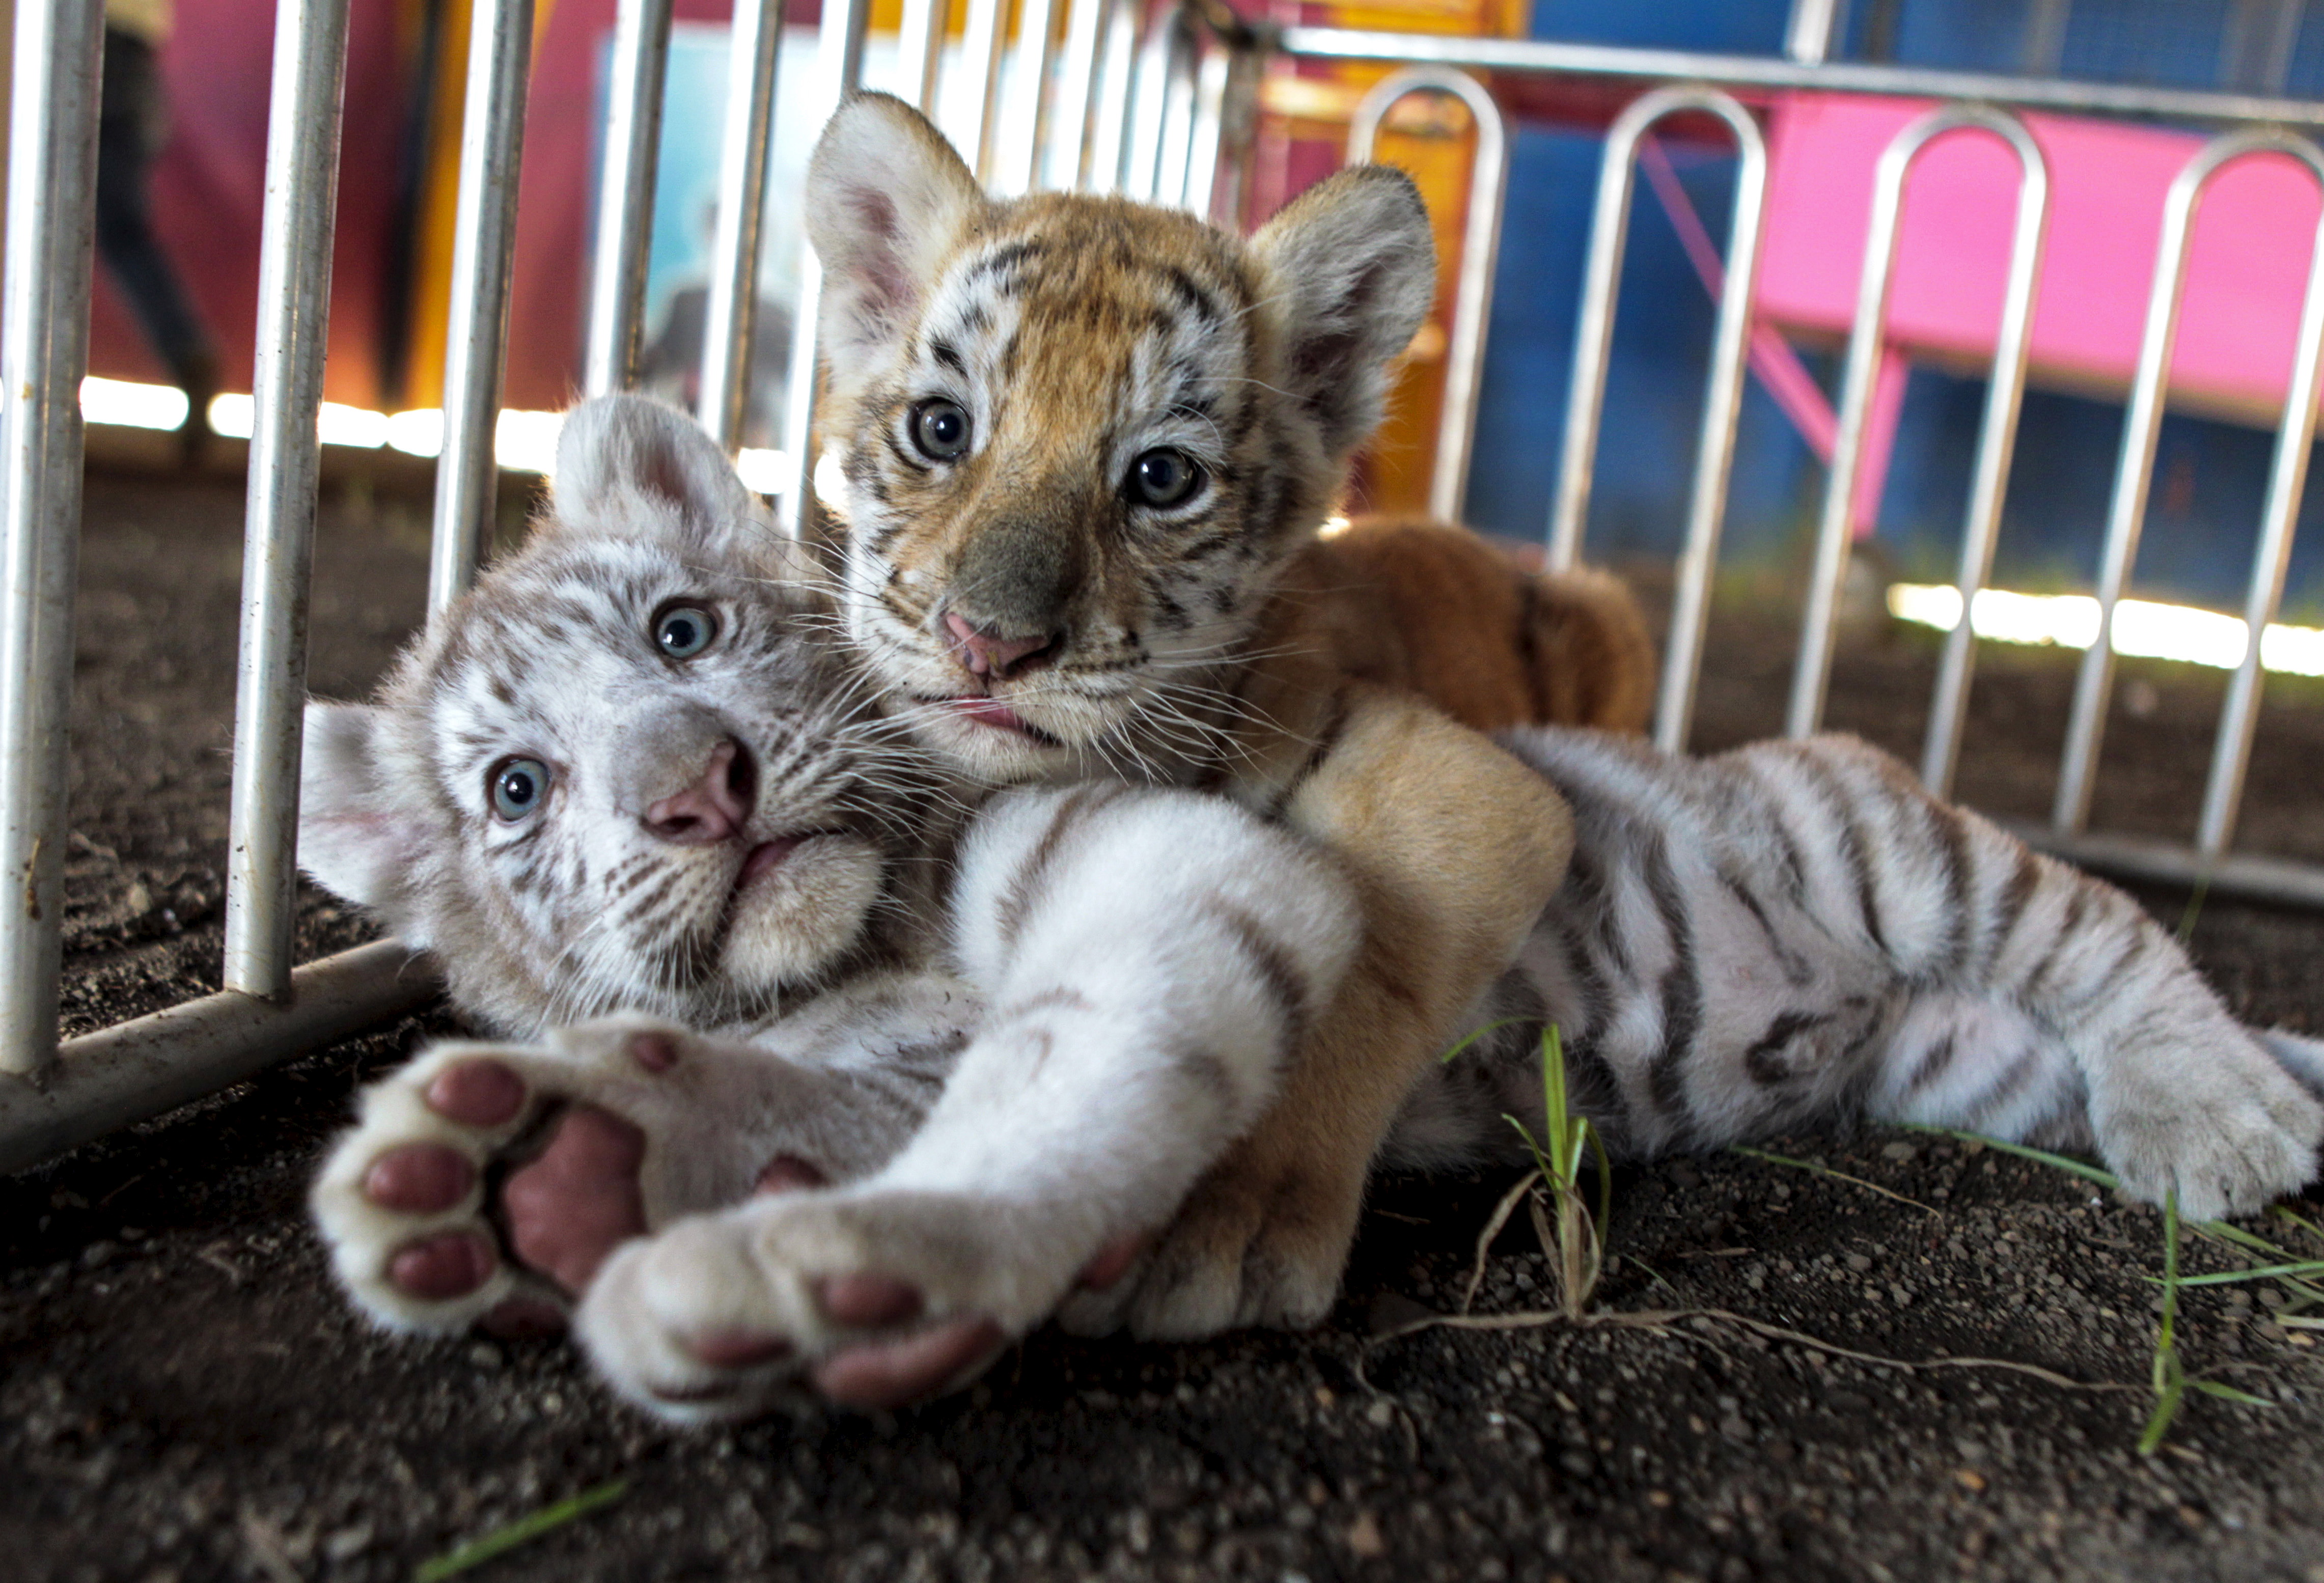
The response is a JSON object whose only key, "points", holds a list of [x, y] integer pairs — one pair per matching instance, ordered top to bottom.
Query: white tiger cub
{"points": [[633, 771]]}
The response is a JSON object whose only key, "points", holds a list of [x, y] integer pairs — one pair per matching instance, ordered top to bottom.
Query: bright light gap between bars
{"points": [[522, 442], [526, 442], [2143, 629]]}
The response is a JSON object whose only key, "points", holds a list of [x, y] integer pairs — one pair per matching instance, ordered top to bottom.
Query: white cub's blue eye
{"points": [[684, 631], [518, 786]]}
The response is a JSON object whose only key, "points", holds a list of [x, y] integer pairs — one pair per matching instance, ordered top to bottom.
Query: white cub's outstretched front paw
{"points": [[2225, 1126], [489, 1181], [885, 1296]]}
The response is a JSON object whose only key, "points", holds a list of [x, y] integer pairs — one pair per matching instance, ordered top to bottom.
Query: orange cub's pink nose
{"points": [[988, 653], [713, 809]]}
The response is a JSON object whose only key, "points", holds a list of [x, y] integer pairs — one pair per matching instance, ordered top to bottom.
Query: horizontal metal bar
{"points": [[1752, 71], [2236, 877], [140, 1069]]}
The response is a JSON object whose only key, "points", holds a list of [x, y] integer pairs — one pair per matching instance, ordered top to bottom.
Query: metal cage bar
{"points": [[1087, 24], [983, 44], [919, 50], [839, 70], [1024, 119], [1105, 164], [625, 195], [484, 244], [1480, 246], [294, 295], [730, 312], [43, 348], [1722, 402], [1996, 442], [2135, 469], [2287, 479], [1812, 673]]}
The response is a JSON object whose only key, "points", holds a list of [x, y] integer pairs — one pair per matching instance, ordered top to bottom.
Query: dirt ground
{"points": [[183, 1396]]}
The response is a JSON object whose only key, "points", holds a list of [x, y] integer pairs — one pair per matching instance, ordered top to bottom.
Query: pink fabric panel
{"points": [[2252, 235]]}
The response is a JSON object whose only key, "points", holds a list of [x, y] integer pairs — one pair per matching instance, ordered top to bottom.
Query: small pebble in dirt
{"points": [[1899, 1151], [1858, 1262]]}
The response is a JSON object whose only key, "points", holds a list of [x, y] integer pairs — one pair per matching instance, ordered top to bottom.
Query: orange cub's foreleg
{"points": [[1455, 848]]}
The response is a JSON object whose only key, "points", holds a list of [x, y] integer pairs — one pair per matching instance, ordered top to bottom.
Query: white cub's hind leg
{"points": [[489, 1181]]}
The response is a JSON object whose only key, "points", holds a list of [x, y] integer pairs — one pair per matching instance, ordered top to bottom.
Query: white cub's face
{"points": [[623, 773]]}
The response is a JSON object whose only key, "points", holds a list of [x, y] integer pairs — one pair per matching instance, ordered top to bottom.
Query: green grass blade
{"points": [[1490, 1027], [1557, 1125], [2082, 1168], [1606, 1190], [2270, 1272], [2169, 1393], [2228, 1393], [523, 1531]]}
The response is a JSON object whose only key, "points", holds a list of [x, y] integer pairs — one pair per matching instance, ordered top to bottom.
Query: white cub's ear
{"points": [[887, 199], [1352, 269], [632, 467], [353, 840]]}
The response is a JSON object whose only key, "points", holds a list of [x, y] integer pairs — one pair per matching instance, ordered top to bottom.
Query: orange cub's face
{"points": [[1079, 436]]}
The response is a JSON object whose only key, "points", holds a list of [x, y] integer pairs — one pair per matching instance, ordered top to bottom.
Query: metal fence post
{"points": [[626, 194], [1480, 246], [730, 314], [294, 315], [476, 338], [44, 351], [2134, 467]]}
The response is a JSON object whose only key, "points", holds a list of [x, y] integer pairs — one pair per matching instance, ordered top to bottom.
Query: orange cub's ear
{"points": [[887, 200], [1436, 610]]}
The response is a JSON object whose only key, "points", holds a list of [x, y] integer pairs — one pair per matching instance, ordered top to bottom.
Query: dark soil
{"points": [[184, 1396]]}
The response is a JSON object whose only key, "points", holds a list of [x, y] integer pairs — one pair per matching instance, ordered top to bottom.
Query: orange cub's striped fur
{"points": [[1086, 445], [1436, 610]]}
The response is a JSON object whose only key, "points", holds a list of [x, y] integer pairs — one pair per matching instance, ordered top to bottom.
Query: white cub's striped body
{"points": [[1794, 933]]}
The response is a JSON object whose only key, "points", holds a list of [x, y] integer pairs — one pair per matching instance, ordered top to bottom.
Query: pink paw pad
{"points": [[657, 1053], [476, 1093], [419, 1179], [570, 1206], [439, 1268], [868, 1301], [737, 1349], [893, 1374]]}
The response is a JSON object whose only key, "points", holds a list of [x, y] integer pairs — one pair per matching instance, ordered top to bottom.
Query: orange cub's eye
{"points": [[939, 430], [1163, 477]]}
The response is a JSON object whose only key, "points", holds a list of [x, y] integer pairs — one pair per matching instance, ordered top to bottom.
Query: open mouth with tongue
{"points": [[768, 856]]}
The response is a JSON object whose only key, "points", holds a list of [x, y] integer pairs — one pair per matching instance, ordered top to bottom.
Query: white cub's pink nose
{"points": [[713, 809]]}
